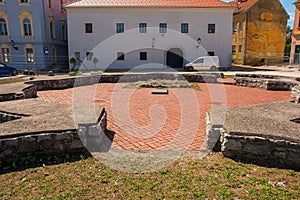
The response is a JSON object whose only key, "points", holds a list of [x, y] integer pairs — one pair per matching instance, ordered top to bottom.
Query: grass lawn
{"points": [[214, 177]]}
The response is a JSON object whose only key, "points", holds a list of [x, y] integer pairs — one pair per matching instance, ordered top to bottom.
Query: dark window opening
{"points": [[88, 28], [143, 55]]}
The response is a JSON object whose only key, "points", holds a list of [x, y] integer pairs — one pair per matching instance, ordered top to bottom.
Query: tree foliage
{"points": [[288, 41]]}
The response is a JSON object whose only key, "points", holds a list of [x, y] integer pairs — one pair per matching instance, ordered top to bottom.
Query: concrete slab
{"points": [[159, 91]]}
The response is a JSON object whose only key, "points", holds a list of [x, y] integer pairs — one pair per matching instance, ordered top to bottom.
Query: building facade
{"points": [[259, 32], [33, 33], [128, 34], [295, 46]]}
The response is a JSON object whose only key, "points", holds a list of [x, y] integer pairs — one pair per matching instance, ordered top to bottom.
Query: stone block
{"points": [[159, 91], [44, 137], [213, 138], [10, 142], [234, 145], [259, 149], [7, 153], [281, 155]]}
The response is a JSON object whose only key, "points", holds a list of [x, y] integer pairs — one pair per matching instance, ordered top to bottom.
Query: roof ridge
{"points": [[152, 3]]}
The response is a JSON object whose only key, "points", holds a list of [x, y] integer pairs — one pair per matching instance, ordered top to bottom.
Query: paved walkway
{"points": [[143, 121]]}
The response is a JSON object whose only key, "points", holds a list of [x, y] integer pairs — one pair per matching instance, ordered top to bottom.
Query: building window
{"points": [[24, 2], [50, 4], [3, 24], [26, 24], [241, 26], [3, 27], [27, 27], [120, 27], [143, 27], [163, 27], [52, 28], [88, 28], [184, 28], [211, 28], [234, 28], [63, 30], [240, 48], [233, 49], [211, 53], [29, 55], [89, 55], [143, 55], [54, 56], [120, 56], [5, 57]]}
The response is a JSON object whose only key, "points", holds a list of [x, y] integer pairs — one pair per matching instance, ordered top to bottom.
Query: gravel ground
{"points": [[42, 116], [272, 120]]}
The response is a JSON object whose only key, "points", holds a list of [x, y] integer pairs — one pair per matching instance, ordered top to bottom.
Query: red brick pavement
{"points": [[143, 121]]}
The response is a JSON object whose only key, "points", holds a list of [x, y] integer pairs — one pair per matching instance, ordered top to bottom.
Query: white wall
{"points": [[105, 42]]}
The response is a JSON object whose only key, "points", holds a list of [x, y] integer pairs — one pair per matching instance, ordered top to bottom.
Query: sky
{"points": [[290, 9]]}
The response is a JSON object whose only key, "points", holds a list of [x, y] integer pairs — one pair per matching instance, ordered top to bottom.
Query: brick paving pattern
{"points": [[143, 121]]}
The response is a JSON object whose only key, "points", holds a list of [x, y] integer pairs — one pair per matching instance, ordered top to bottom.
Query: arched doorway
{"points": [[175, 58]]}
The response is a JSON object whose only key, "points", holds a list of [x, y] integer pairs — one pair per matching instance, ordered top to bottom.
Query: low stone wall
{"points": [[263, 76], [266, 82], [54, 84], [57, 84], [27, 92], [30, 92], [295, 93], [7, 97], [40, 143], [13, 147], [252, 148], [260, 150]]}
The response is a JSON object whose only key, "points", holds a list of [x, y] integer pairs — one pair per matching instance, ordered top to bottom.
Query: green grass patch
{"points": [[214, 177]]}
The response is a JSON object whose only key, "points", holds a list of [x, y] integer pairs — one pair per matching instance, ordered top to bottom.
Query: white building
{"points": [[128, 33]]}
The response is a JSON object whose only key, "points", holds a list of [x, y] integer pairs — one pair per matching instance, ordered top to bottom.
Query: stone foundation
{"points": [[266, 82], [55, 84], [26, 93], [295, 93], [13, 147], [262, 151], [265, 151]]}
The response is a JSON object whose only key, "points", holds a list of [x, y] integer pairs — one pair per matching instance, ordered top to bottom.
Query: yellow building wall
{"points": [[265, 34], [238, 38]]}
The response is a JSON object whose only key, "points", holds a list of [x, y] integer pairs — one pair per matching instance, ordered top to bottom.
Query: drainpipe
{"points": [[245, 38], [45, 43]]}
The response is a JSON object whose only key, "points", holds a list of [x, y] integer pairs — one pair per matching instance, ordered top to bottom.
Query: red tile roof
{"points": [[152, 3], [246, 4]]}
